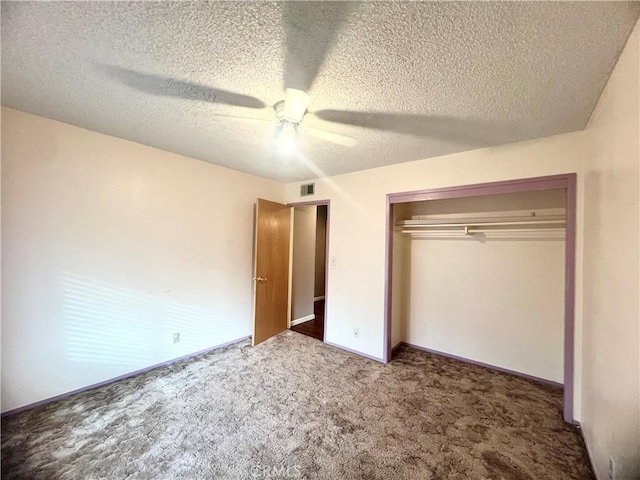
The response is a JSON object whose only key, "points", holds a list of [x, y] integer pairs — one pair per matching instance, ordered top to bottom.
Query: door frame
{"points": [[566, 182], [312, 203]]}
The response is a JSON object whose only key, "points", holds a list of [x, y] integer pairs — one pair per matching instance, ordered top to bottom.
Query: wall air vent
{"points": [[308, 189]]}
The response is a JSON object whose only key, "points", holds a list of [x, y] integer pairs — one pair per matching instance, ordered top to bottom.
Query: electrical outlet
{"points": [[333, 261], [356, 332], [176, 337], [612, 469]]}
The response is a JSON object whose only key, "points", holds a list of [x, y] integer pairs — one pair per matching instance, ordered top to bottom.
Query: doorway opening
{"points": [[460, 221], [309, 235]]}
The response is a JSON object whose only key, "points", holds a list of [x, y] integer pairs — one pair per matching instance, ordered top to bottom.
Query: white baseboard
{"points": [[321, 297], [300, 320]]}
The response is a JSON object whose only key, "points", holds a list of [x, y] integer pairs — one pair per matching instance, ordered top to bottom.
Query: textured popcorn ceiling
{"points": [[459, 75]]}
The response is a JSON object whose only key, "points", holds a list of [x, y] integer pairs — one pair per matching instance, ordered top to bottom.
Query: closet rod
{"points": [[457, 220], [403, 224], [484, 230], [552, 233]]}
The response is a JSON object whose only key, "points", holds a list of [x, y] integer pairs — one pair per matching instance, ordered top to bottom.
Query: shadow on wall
{"points": [[108, 324]]}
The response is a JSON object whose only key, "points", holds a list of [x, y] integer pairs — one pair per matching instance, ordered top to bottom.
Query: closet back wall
{"points": [[499, 301]]}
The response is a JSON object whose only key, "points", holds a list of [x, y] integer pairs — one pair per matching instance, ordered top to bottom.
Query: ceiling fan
{"points": [[307, 41], [289, 112]]}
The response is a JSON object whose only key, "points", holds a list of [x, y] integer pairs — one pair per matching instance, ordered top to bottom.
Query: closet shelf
{"points": [[547, 225]]}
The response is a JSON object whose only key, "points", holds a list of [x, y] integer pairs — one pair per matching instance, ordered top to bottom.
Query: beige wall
{"points": [[357, 226], [108, 248], [304, 261], [611, 363]]}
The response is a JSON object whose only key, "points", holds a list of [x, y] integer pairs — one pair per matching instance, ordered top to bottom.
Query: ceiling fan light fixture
{"points": [[287, 139]]}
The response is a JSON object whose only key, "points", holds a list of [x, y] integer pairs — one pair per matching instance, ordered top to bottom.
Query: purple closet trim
{"points": [[509, 186], [388, 283], [569, 296]]}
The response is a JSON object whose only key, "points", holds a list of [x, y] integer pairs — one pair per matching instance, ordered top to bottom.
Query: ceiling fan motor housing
{"points": [[293, 107]]}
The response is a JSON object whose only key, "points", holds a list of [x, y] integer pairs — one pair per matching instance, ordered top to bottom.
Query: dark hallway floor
{"points": [[313, 328]]}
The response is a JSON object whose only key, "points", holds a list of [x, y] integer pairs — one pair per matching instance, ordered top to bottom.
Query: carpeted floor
{"points": [[294, 407]]}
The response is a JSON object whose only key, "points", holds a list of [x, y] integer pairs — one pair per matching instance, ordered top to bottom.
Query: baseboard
{"points": [[316, 299], [300, 320], [371, 357], [481, 364], [55, 398], [586, 445]]}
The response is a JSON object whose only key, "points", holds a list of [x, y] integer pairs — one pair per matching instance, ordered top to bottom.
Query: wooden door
{"points": [[271, 270]]}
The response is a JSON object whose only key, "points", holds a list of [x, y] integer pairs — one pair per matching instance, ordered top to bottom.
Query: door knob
{"points": [[260, 279]]}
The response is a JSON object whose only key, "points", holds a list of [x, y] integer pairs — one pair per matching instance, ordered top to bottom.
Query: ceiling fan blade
{"points": [[310, 29], [172, 87], [247, 119], [429, 126], [329, 136]]}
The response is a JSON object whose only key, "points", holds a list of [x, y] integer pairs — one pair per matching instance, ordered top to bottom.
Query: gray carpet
{"points": [[296, 408]]}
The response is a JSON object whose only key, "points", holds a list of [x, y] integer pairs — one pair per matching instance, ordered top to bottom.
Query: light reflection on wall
{"points": [[106, 324], [110, 325], [194, 325]]}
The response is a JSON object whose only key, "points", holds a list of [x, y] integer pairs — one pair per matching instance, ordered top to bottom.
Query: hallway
{"points": [[313, 328]]}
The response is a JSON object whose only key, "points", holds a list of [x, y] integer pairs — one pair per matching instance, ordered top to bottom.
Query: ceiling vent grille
{"points": [[308, 189]]}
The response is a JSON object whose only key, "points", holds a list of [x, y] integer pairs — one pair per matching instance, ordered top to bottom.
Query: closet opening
{"points": [[309, 235], [485, 274]]}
